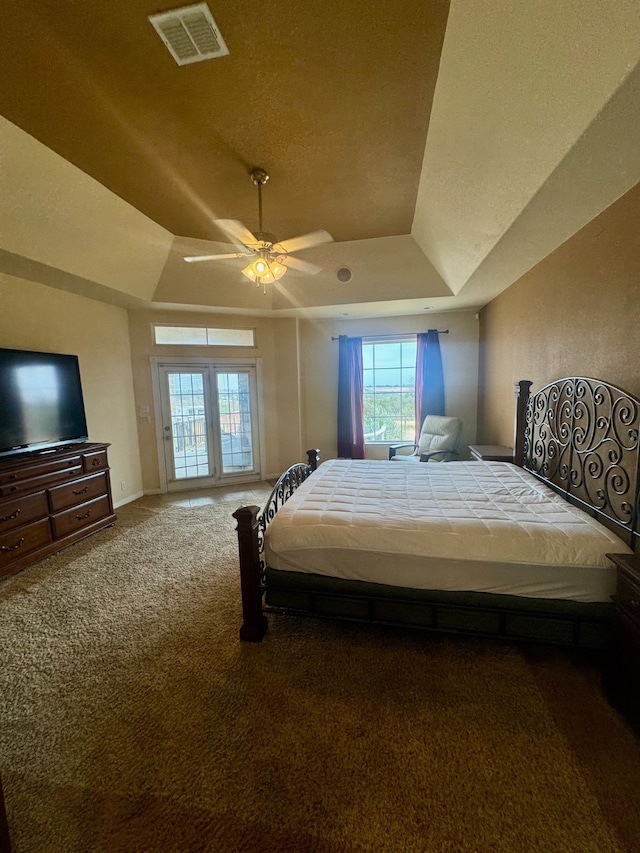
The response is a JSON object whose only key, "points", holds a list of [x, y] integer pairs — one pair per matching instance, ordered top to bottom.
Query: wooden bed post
{"points": [[523, 388], [314, 458], [254, 622]]}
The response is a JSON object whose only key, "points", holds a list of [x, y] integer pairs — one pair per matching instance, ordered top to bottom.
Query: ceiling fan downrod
{"points": [[259, 177]]}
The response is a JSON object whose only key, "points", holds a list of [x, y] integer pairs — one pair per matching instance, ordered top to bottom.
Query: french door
{"points": [[209, 419]]}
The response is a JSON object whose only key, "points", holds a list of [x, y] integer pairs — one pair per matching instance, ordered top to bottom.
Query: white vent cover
{"points": [[190, 34]]}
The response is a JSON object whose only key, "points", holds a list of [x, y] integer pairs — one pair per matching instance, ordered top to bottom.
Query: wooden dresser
{"points": [[49, 499], [622, 678]]}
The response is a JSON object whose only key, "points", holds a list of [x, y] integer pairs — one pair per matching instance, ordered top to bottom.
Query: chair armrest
{"points": [[394, 447], [425, 457]]}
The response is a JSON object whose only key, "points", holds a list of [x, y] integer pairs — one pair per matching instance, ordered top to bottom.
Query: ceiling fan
{"points": [[270, 259]]}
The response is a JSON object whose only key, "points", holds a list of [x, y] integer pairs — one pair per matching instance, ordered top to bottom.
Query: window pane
{"points": [[180, 335], [199, 336], [230, 337], [409, 353], [409, 377], [389, 390], [235, 421], [188, 425]]}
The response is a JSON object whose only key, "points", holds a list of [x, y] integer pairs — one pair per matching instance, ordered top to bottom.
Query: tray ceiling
{"points": [[375, 121]]}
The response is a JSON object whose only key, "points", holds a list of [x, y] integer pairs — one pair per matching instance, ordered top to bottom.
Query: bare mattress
{"points": [[460, 526]]}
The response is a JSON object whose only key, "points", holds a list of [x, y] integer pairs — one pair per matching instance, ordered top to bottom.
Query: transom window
{"points": [[201, 336], [389, 377]]}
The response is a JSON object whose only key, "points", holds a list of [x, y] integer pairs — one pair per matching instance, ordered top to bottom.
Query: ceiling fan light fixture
{"points": [[271, 260], [277, 269], [264, 270], [248, 271]]}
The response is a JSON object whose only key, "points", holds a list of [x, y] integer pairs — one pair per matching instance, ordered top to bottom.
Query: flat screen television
{"points": [[41, 403]]}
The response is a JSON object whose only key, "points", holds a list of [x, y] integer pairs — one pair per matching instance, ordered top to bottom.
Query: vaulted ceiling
{"points": [[447, 150]]}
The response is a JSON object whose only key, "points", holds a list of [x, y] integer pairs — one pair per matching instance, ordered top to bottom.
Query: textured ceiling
{"points": [[332, 99], [446, 150]]}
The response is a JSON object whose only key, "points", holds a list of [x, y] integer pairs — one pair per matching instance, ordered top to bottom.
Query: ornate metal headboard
{"points": [[581, 437]]}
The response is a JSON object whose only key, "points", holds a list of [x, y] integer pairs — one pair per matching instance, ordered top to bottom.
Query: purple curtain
{"points": [[429, 378], [350, 399]]}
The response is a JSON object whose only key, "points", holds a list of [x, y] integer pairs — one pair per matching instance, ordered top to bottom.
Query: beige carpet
{"points": [[132, 719]]}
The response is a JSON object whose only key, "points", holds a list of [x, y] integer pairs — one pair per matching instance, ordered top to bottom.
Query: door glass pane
{"points": [[234, 403], [188, 425]]}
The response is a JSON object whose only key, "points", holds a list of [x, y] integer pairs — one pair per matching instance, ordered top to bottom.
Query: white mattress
{"points": [[475, 526]]}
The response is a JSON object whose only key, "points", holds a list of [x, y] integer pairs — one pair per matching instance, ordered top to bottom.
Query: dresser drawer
{"points": [[95, 461], [38, 469], [35, 483], [80, 491], [22, 511], [80, 516], [17, 543]]}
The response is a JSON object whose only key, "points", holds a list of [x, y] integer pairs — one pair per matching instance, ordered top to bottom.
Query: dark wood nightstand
{"points": [[491, 453], [622, 678]]}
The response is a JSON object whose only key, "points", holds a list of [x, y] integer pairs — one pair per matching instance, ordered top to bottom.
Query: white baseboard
{"points": [[127, 500]]}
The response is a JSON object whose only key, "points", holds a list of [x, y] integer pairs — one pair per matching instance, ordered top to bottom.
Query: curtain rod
{"points": [[397, 334]]}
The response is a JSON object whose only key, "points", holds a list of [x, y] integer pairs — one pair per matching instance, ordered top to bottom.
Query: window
{"points": [[198, 336], [389, 375]]}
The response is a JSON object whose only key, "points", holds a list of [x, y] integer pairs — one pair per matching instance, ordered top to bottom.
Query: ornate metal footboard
{"points": [[252, 526]]}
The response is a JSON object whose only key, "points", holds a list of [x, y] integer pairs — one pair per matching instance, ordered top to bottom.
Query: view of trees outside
{"points": [[389, 374]]}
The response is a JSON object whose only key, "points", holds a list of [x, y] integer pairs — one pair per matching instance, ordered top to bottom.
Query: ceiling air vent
{"points": [[190, 34]]}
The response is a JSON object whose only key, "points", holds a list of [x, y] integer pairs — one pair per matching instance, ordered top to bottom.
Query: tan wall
{"points": [[575, 313], [41, 318], [320, 371], [300, 376], [279, 380], [289, 392]]}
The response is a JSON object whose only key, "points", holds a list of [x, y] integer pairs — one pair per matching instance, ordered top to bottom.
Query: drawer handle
{"points": [[95, 462], [13, 477], [14, 488], [81, 491], [12, 516], [82, 517], [15, 547]]}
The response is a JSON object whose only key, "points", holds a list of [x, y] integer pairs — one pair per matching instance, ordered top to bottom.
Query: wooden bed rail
{"points": [[251, 528]]}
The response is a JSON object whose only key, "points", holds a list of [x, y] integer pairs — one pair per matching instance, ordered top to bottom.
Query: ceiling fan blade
{"points": [[237, 233], [295, 244], [194, 259], [301, 266]]}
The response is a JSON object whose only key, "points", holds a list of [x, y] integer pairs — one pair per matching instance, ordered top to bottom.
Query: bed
{"points": [[515, 551]]}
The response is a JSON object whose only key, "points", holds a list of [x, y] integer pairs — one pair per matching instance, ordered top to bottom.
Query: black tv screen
{"points": [[41, 402]]}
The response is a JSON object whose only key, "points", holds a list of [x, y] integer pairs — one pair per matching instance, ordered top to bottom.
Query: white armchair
{"points": [[439, 440]]}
